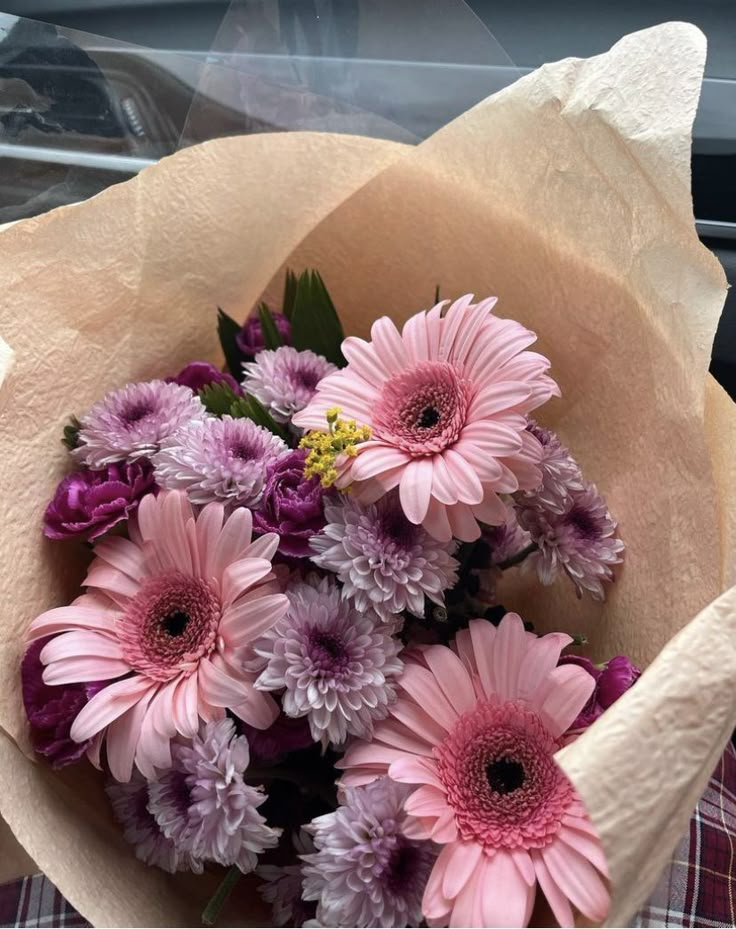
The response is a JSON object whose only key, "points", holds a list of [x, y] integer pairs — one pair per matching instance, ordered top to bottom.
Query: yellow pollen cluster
{"points": [[342, 438]]}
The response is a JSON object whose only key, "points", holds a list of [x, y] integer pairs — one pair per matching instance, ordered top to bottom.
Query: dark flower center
{"points": [[307, 378], [136, 413], [428, 417], [242, 450], [583, 523], [175, 622], [329, 644], [505, 775], [401, 869]]}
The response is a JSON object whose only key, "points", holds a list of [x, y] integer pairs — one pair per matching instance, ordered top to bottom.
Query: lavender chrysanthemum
{"points": [[285, 380], [132, 422], [221, 460], [560, 472], [507, 539], [579, 541], [383, 561], [337, 665], [130, 804], [203, 804], [365, 871], [282, 887]]}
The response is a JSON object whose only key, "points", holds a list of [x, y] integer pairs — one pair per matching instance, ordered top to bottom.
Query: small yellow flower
{"points": [[341, 438]]}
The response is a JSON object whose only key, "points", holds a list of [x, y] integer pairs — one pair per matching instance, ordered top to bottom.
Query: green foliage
{"points": [[289, 294], [315, 324], [227, 330], [271, 335], [218, 398], [250, 408], [71, 433]]}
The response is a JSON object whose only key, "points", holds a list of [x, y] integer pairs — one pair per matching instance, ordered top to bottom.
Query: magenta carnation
{"points": [[250, 338], [199, 374], [89, 503], [292, 505], [612, 680], [52, 710]]}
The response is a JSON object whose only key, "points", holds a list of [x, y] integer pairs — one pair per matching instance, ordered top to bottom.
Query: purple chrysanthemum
{"points": [[250, 337], [285, 380], [132, 422], [221, 460], [560, 472], [507, 539], [579, 541], [383, 561], [338, 666], [203, 804], [130, 805], [365, 871], [282, 887]]}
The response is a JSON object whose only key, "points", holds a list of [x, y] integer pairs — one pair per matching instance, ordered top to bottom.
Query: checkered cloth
{"points": [[698, 888], [34, 901]]}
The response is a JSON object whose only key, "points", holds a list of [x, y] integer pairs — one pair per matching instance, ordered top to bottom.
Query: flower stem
{"points": [[518, 557], [213, 909]]}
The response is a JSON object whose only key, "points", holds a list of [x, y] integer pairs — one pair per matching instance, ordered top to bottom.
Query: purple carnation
{"points": [[250, 338], [199, 374], [89, 503], [292, 505], [611, 681], [52, 710]]}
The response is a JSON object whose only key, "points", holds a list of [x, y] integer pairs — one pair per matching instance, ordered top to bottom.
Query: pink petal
{"points": [[474, 320], [452, 322], [416, 338], [388, 346], [488, 356], [363, 359], [496, 397], [492, 438], [373, 460], [485, 466], [527, 473], [466, 481], [444, 487], [415, 489], [492, 510], [436, 522], [464, 525], [208, 527], [234, 539], [172, 540], [263, 547], [123, 555], [241, 575], [111, 580], [250, 617], [483, 636], [80, 644], [463, 644], [510, 649], [542, 657], [84, 668], [453, 679], [422, 686], [217, 687], [560, 700], [108, 704], [184, 706], [258, 709], [418, 721], [156, 732], [396, 735], [122, 739], [94, 750], [371, 753], [412, 770], [426, 802], [413, 828], [445, 829], [586, 845], [463, 863], [524, 865], [578, 880], [507, 898], [435, 904], [559, 904], [467, 909]]}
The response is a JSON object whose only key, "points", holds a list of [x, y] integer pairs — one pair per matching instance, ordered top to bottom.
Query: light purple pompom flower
{"points": [[250, 338], [199, 374], [285, 380], [131, 423], [221, 460], [560, 472], [87, 504], [292, 504], [506, 539], [580, 540], [383, 561], [338, 666], [203, 804], [130, 805], [365, 871], [282, 887]]}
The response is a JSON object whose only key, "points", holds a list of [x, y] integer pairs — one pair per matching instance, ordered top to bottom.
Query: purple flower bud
{"points": [[250, 338], [199, 374], [89, 503], [292, 505], [611, 681], [52, 710]]}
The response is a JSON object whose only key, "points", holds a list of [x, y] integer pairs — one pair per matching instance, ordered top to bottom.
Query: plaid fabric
{"points": [[699, 886], [697, 889], [34, 901]]}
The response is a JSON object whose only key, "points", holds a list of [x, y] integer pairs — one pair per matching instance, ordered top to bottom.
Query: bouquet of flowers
{"points": [[350, 615]]}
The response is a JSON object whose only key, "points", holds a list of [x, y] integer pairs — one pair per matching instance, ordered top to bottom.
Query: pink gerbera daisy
{"points": [[447, 402], [169, 618], [477, 729]]}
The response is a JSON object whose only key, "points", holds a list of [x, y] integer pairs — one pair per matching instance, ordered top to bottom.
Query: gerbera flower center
{"points": [[424, 409], [170, 625], [501, 779]]}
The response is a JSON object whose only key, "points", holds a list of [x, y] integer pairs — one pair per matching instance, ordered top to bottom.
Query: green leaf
{"points": [[436, 294], [287, 307], [315, 324], [227, 330], [271, 335], [218, 398], [248, 407], [71, 433], [218, 900]]}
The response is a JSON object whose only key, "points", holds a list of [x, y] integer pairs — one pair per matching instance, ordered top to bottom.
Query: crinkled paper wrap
{"points": [[567, 195]]}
